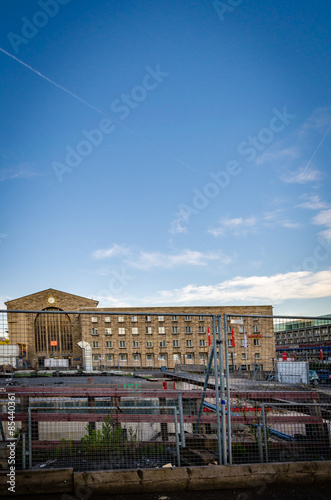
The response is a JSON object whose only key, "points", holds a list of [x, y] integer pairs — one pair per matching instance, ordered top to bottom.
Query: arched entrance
{"points": [[53, 336]]}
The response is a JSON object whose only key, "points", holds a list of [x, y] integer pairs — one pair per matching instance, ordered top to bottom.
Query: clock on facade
{"points": [[51, 300]]}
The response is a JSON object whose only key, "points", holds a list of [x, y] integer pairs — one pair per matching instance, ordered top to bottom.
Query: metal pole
{"points": [[225, 337], [210, 361], [222, 391], [217, 393], [181, 419], [30, 437], [265, 437], [177, 438], [259, 442], [23, 451]]}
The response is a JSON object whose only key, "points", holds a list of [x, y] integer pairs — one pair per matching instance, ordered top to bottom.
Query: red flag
{"points": [[209, 339], [233, 342], [321, 353], [284, 356], [295, 356]]}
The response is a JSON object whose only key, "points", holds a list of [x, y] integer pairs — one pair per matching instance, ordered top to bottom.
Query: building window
{"points": [[147, 318], [160, 318], [174, 318], [187, 318], [201, 318], [94, 319], [107, 319], [121, 319], [134, 319], [229, 328], [256, 328], [161, 329], [175, 329], [188, 329], [202, 329], [241, 329], [134, 330], [148, 330], [95, 331], [107, 331], [121, 331], [256, 341], [230, 342], [242, 342], [135, 343], [162, 343], [175, 343], [189, 343], [202, 343], [109, 344], [122, 344], [149, 344], [95, 345], [243, 355], [257, 355], [189, 356], [202, 356], [96, 357], [109, 357], [123, 357], [136, 357], [149, 357], [176, 357]]}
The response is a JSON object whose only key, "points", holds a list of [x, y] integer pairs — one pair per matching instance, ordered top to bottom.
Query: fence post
{"points": [[222, 391], [217, 393], [228, 400], [181, 419], [265, 436], [30, 437], [177, 438], [23, 451]]}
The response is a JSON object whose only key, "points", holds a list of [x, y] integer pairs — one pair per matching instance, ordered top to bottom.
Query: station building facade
{"points": [[75, 332]]}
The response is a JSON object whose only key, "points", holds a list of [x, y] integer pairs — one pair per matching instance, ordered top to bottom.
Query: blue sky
{"points": [[167, 153]]}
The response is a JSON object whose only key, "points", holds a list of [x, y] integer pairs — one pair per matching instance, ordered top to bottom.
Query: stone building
{"points": [[103, 338]]}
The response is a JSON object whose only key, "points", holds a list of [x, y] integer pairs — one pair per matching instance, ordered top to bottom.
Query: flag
{"points": [[209, 339], [245, 340], [233, 342], [321, 353], [284, 356], [295, 356]]}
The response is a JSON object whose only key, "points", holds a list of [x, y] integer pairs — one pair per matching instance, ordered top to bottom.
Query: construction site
{"points": [[211, 415]]}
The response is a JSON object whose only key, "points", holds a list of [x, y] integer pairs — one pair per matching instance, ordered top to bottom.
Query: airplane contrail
{"points": [[75, 96], [311, 159]]}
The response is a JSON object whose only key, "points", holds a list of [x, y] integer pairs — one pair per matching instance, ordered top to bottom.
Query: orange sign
{"points": [[53, 342]]}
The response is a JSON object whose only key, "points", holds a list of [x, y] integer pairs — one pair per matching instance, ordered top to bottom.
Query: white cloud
{"points": [[319, 121], [275, 152], [22, 171], [301, 176], [314, 203], [323, 218], [238, 226], [114, 251], [149, 260], [253, 289]]}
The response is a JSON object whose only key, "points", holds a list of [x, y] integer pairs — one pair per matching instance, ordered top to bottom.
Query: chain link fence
{"points": [[244, 389]]}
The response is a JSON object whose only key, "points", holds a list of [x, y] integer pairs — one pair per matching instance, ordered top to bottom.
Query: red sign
{"points": [[255, 336], [53, 342], [321, 353], [284, 356]]}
